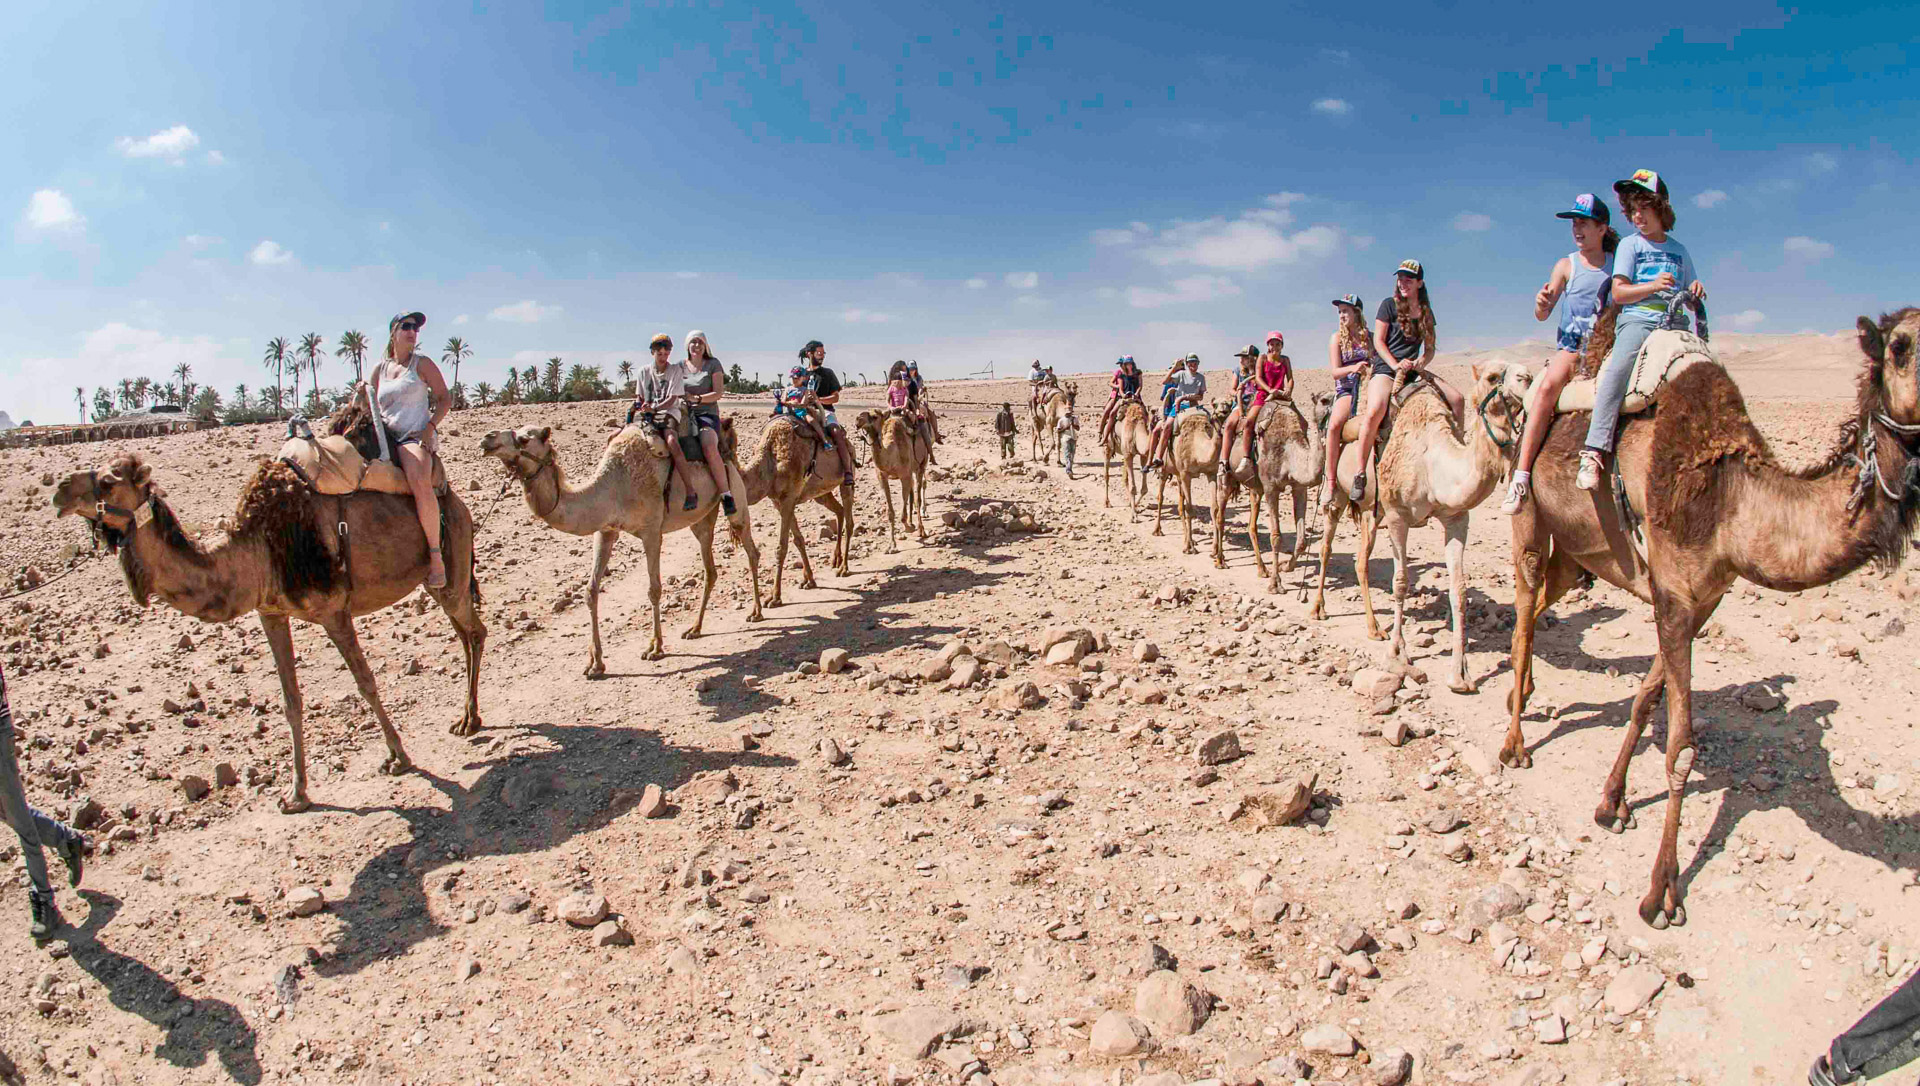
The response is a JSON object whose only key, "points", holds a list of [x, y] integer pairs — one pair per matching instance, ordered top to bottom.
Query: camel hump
{"points": [[1667, 354], [1191, 418], [1702, 422], [332, 465]]}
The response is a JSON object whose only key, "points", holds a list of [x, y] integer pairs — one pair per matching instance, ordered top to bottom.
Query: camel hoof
{"points": [[1157, 531], [810, 583], [756, 616], [691, 633], [1376, 635], [654, 652], [596, 670], [1462, 686], [465, 726], [1516, 759], [396, 764], [294, 804], [1615, 818], [1660, 919]]}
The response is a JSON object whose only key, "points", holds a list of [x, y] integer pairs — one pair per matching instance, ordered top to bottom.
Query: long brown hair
{"points": [[1403, 316]]}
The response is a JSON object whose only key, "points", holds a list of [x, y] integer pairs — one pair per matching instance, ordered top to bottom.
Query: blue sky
{"points": [[955, 183]]}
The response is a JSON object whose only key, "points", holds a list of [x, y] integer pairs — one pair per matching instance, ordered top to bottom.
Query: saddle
{"points": [[1667, 352], [1350, 430], [332, 465]]}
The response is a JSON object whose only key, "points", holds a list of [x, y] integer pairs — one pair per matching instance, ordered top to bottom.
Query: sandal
{"points": [[692, 502], [433, 581]]}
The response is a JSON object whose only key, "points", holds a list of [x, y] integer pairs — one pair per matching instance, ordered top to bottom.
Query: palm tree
{"points": [[353, 345], [455, 352], [308, 354], [275, 360], [625, 369], [183, 373], [142, 391], [510, 392], [126, 393], [165, 393], [482, 394], [80, 398], [240, 401], [102, 404]]}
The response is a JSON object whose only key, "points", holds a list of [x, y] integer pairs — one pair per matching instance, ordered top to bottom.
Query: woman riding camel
{"points": [[1581, 283], [1403, 327], [1351, 359], [1272, 380], [706, 383], [1125, 385], [411, 397], [662, 405]]}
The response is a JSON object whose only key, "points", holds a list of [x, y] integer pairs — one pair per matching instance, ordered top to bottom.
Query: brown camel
{"points": [[1054, 402], [1127, 442], [1193, 451], [899, 452], [1288, 456], [790, 468], [1428, 468], [632, 490], [1723, 508], [283, 559]]}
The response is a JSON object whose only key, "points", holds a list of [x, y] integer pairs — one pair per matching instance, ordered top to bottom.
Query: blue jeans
{"points": [[1610, 388], [35, 828]]}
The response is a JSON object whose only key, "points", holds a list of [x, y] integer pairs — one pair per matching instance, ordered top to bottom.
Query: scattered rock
{"points": [[1146, 652], [1064, 654], [833, 661], [935, 670], [966, 671], [1372, 684], [1015, 695], [1759, 698], [1219, 748], [831, 753], [1477, 762], [224, 775], [194, 787], [653, 802], [1280, 808], [305, 901], [513, 901], [1496, 902], [582, 910], [612, 933], [466, 969], [1631, 990], [1170, 1005], [916, 1031], [1116, 1036], [1329, 1040], [1391, 1067]]}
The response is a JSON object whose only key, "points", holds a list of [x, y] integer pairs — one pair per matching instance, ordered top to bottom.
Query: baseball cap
{"points": [[1645, 181], [1588, 206], [1411, 267], [1349, 299], [416, 315], [1273, 336], [1249, 351], [1191, 357], [797, 371]]}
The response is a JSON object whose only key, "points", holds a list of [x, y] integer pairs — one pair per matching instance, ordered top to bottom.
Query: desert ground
{"points": [[888, 873]]}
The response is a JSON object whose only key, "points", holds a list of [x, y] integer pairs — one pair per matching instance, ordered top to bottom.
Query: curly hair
{"points": [[1660, 205], [1403, 316], [1353, 330]]}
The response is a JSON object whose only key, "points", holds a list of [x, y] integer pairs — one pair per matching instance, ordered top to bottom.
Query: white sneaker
{"points": [[1243, 466], [1589, 477], [1516, 493]]}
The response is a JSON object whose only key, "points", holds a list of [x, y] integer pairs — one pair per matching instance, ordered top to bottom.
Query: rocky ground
{"points": [[1041, 800]]}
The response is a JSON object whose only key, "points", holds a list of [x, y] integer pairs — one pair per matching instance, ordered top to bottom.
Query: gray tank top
{"points": [[1587, 293], [403, 400]]}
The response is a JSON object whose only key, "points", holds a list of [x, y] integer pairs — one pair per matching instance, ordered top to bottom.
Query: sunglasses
{"points": [[409, 326]]}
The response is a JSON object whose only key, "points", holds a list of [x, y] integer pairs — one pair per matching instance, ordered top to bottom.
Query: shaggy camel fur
{"points": [[1054, 402], [1128, 441], [1193, 451], [899, 452], [1287, 456], [790, 468], [1428, 469], [631, 491], [1717, 507], [283, 560]]}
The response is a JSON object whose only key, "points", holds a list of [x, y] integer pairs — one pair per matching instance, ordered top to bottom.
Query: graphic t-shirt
{"points": [[1638, 261], [1403, 343], [707, 379], [823, 382], [656, 385]]}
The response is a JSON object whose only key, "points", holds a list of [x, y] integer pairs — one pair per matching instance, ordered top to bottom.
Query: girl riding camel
{"points": [[1581, 283], [1403, 327], [1351, 358], [1272, 380], [1125, 385], [796, 400]]}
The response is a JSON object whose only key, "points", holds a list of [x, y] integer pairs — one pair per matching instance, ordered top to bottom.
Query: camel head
{"points": [[1892, 348], [1073, 391], [1500, 394], [1322, 408], [868, 423], [524, 451], [110, 496]]}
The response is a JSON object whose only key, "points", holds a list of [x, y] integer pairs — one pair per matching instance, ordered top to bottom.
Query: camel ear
{"points": [[1872, 343], [1479, 371], [543, 432], [141, 474]]}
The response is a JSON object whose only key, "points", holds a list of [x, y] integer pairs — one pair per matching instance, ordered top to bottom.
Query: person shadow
{"points": [[196, 1029]]}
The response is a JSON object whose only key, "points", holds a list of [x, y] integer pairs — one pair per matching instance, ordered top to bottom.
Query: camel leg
{"points": [[1106, 480], [1184, 484], [886, 494], [1301, 495], [1256, 499], [920, 501], [1160, 503], [1219, 511], [1456, 530], [703, 531], [1397, 539], [650, 542], [800, 544], [602, 554], [780, 555], [1362, 556], [1534, 592], [460, 600], [1319, 612], [1676, 619], [340, 631], [280, 640], [1613, 814]]}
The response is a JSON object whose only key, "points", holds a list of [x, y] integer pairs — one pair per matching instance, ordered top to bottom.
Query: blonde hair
{"points": [[1353, 330]]}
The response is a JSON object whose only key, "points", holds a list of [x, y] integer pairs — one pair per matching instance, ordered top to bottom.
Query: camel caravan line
{"points": [[1696, 501]]}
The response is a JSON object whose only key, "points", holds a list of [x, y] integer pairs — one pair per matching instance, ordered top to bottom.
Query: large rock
{"points": [[1079, 635], [1064, 653], [833, 661], [935, 670], [966, 672], [1374, 684], [1014, 695], [1219, 748], [1477, 762], [194, 787], [305, 901], [1497, 902], [582, 910], [1631, 990], [1166, 1002], [916, 1031], [1116, 1036], [1329, 1040], [1390, 1067]]}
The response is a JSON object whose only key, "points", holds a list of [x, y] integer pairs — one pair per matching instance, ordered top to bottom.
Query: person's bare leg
{"points": [[1379, 394], [1336, 422], [716, 466], [426, 506]]}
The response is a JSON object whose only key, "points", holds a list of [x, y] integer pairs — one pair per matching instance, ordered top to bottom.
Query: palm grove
{"points": [[292, 362]]}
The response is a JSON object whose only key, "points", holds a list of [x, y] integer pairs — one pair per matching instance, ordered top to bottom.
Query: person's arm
{"points": [[1692, 277], [1626, 292], [1543, 302], [1380, 341], [1334, 364], [1286, 378], [717, 386], [437, 397]]}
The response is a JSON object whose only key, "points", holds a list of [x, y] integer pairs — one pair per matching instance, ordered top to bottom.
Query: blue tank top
{"points": [[1587, 293]]}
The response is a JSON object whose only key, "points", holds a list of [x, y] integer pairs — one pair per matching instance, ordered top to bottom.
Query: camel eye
{"points": [[1901, 349]]}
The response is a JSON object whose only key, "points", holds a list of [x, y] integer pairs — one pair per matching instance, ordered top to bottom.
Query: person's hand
{"points": [[1664, 281], [1698, 289], [1544, 300]]}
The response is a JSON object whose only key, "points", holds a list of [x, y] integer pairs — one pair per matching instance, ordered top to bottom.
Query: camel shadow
{"points": [[586, 777], [195, 1028]]}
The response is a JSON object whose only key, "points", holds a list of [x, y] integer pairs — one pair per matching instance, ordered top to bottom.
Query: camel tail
{"points": [[277, 505]]}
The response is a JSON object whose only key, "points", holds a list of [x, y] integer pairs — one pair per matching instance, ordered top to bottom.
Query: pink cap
{"points": [[1276, 335]]}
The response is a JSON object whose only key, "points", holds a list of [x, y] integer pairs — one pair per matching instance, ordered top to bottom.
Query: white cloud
{"points": [[1340, 55], [1332, 107], [167, 143], [215, 158], [1821, 162], [1710, 198], [1283, 199], [49, 209], [1472, 222], [1126, 235], [1254, 240], [197, 242], [1807, 248], [269, 252], [686, 275], [1023, 280], [976, 283], [1190, 290], [1033, 301], [527, 312], [865, 316], [461, 320], [1747, 320]]}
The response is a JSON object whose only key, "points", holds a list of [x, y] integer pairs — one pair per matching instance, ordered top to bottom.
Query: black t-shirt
{"points": [[1398, 341], [823, 382]]}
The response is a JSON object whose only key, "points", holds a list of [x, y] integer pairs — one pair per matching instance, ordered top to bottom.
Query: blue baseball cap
{"points": [[1587, 206], [1350, 299]]}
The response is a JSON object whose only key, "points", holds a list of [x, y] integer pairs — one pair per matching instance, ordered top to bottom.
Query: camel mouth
{"points": [[495, 443]]}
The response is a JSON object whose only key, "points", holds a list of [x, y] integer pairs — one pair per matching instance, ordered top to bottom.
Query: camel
{"points": [[1054, 402], [1128, 441], [1194, 450], [899, 452], [1288, 455], [790, 467], [1427, 469], [632, 490], [1722, 508], [284, 559]]}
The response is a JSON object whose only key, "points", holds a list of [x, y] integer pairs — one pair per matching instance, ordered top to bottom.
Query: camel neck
{"points": [[1788, 522], [203, 582]]}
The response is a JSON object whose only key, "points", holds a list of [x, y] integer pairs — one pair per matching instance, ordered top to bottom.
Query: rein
{"points": [[1488, 423], [540, 464], [1872, 475]]}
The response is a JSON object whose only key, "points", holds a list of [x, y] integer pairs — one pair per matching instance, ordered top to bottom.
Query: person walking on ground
{"points": [[1581, 282], [826, 392], [1003, 425], [1069, 430], [36, 831], [1887, 1037]]}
